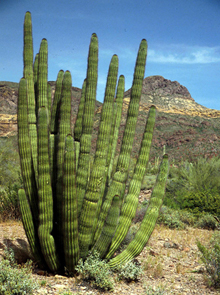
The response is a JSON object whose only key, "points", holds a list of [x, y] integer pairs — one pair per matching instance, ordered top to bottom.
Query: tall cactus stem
{"points": [[42, 75], [87, 124], [64, 130], [112, 148], [27, 169], [98, 172], [117, 186], [45, 194], [131, 200], [69, 207], [148, 224], [30, 228]]}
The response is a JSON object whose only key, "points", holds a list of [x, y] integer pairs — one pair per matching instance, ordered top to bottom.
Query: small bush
{"points": [[195, 186], [9, 206], [170, 218], [207, 221], [211, 259], [96, 271], [130, 271], [15, 280], [154, 291]]}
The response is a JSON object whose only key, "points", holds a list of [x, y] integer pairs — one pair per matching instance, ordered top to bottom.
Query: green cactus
{"points": [[68, 205]]}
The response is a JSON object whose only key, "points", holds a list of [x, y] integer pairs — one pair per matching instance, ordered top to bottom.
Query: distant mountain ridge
{"points": [[170, 97], [186, 128]]}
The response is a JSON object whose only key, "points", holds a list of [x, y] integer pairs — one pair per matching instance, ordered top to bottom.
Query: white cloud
{"points": [[184, 54]]}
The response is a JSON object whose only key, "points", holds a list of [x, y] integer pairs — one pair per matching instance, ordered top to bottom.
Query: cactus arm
{"points": [[36, 62], [28, 66], [42, 75], [29, 76], [49, 98], [56, 103], [119, 104], [79, 118], [78, 124], [87, 125], [64, 130], [128, 137], [24, 145], [112, 148], [117, 186], [45, 194], [92, 195], [131, 201], [69, 207], [147, 226], [29, 228], [102, 244]]}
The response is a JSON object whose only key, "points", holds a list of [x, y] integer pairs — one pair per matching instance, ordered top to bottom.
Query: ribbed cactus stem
{"points": [[28, 66], [42, 75], [29, 76], [56, 103], [78, 124], [87, 124], [115, 129], [64, 130], [128, 137], [112, 148], [27, 169], [97, 175], [117, 186], [45, 194], [131, 200], [69, 207], [148, 224], [30, 228], [103, 243]]}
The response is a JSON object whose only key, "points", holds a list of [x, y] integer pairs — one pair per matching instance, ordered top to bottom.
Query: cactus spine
{"points": [[67, 208]]}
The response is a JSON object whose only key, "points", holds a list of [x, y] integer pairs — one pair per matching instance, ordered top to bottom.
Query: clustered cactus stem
{"points": [[71, 205]]}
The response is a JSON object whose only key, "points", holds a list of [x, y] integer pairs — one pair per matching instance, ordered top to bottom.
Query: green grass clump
{"points": [[211, 259], [97, 271], [13, 279]]}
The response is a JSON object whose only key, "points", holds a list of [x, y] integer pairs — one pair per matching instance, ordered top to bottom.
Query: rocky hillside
{"points": [[186, 128]]}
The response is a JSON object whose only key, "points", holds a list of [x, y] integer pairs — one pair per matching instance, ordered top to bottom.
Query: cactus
{"points": [[67, 208]]}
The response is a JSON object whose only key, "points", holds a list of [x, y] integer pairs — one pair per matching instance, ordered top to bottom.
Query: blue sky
{"points": [[183, 40]]}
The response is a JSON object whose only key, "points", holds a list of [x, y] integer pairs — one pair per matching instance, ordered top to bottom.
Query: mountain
{"points": [[186, 128]]}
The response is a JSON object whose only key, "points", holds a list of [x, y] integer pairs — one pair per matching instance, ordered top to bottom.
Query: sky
{"points": [[183, 40]]}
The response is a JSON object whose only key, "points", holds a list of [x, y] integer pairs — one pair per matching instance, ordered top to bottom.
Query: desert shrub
{"points": [[9, 161], [195, 186], [202, 201], [9, 205], [170, 218], [207, 221], [211, 259], [97, 271], [130, 271], [13, 279], [154, 291]]}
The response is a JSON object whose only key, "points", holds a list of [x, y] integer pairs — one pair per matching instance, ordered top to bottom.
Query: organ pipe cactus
{"points": [[68, 205]]}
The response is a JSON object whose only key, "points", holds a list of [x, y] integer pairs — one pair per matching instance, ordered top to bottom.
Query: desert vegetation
{"points": [[91, 199]]}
